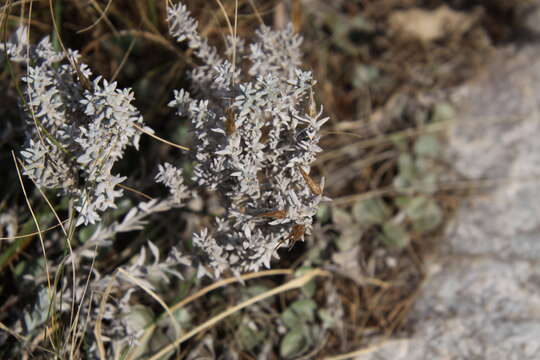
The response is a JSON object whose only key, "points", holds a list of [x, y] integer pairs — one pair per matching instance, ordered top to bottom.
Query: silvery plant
{"points": [[255, 123], [77, 129], [256, 129]]}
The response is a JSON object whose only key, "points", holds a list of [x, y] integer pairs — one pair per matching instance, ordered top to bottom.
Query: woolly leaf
{"points": [[427, 145], [371, 211], [425, 213], [394, 235], [304, 309], [293, 343]]}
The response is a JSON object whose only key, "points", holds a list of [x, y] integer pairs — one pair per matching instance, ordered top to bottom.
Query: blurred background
{"points": [[429, 156]]}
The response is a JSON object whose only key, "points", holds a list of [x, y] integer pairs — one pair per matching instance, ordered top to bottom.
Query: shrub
{"points": [[256, 127]]}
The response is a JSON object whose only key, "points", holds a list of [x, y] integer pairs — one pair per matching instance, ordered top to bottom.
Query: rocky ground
{"points": [[481, 297]]}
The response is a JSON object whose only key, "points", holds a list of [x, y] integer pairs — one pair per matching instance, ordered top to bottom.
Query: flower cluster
{"points": [[77, 129], [257, 134]]}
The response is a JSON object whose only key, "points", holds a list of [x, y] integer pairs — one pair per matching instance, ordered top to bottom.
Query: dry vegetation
{"points": [[383, 86]]}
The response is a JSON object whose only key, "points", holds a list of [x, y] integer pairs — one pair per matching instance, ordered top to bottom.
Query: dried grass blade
{"points": [[293, 284]]}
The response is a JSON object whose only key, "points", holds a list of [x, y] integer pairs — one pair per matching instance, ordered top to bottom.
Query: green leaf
{"points": [[443, 112], [420, 118], [182, 134], [427, 145], [407, 168], [401, 183], [428, 184], [403, 201], [123, 207], [415, 207], [371, 211], [323, 213], [424, 213], [86, 232], [394, 235], [7, 255], [314, 255], [19, 270], [309, 289], [253, 290], [305, 309], [298, 313], [182, 316], [139, 317], [290, 318], [327, 319], [248, 337], [294, 343]]}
